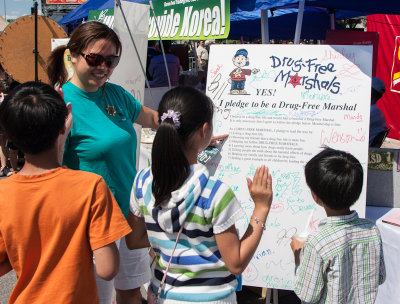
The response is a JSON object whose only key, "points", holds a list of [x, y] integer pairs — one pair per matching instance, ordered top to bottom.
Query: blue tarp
{"points": [[363, 6], [82, 11], [246, 14], [282, 17], [281, 26]]}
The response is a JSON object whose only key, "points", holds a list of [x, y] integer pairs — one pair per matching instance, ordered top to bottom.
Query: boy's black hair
{"points": [[32, 116], [336, 177]]}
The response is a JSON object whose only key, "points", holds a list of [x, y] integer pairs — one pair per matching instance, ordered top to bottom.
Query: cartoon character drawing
{"points": [[238, 75]]}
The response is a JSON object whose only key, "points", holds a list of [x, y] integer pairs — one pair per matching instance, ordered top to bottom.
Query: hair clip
{"points": [[174, 116]]}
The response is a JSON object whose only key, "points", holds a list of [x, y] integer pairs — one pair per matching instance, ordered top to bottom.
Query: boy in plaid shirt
{"points": [[343, 261]]}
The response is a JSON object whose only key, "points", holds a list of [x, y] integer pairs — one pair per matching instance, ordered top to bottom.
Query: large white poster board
{"points": [[279, 110]]}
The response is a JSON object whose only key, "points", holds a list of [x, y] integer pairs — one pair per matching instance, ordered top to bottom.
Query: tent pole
{"points": [[35, 8], [5, 10], [332, 15], [299, 22], [264, 27]]}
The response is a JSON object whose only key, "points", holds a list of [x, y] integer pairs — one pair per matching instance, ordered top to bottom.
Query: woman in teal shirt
{"points": [[102, 139]]}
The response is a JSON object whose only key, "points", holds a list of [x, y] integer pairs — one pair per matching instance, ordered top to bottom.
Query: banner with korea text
{"points": [[105, 16], [181, 19], [190, 19], [388, 67]]}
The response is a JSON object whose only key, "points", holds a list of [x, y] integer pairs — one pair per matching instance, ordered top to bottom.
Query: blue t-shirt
{"points": [[158, 73], [102, 139]]}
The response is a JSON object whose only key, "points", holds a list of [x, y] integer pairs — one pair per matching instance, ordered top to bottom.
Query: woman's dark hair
{"points": [[81, 37], [32, 116], [170, 167], [336, 177]]}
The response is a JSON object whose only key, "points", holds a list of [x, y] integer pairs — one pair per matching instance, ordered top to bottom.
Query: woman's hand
{"points": [[59, 90], [148, 118], [69, 120], [64, 134], [138, 237]]}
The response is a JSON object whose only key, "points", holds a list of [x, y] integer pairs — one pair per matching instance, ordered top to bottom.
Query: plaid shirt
{"points": [[341, 263]]}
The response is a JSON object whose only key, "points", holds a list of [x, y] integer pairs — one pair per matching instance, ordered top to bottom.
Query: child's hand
{"points": [[216, 140], [261, 188], [296, 245]]}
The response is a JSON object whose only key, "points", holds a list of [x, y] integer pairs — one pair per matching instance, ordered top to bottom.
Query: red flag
{"points": [[388, 67]]}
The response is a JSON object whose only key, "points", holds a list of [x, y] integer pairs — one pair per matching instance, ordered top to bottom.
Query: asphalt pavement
{"points": [[6, 285], [245, 296]]}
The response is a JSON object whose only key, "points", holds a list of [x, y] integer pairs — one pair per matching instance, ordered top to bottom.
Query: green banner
{"points": [[105, 16], [181, 19], [190, 19], [382, 161]]}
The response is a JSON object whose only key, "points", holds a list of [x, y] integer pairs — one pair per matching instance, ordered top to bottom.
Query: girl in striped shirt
{"points": [[178, 191]]}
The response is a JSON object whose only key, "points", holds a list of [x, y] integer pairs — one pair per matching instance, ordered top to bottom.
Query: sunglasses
{"points": [[95, 60]]}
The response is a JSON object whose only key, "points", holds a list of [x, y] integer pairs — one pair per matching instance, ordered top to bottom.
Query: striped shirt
{"points": [[207, 207], [341, 263]]}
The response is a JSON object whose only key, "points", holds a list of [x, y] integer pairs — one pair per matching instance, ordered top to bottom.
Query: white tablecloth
{"points": [[389, 291]]}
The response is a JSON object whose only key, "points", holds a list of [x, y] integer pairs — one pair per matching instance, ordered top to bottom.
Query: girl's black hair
{"points": [[81, 37], [32, 116], [170, 167], [336, 177]]}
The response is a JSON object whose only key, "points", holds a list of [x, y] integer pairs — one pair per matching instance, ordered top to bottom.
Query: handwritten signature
{"points": [[285, 235]]}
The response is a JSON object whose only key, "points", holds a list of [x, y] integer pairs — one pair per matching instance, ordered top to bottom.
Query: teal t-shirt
{"points": [[102, 139]]}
